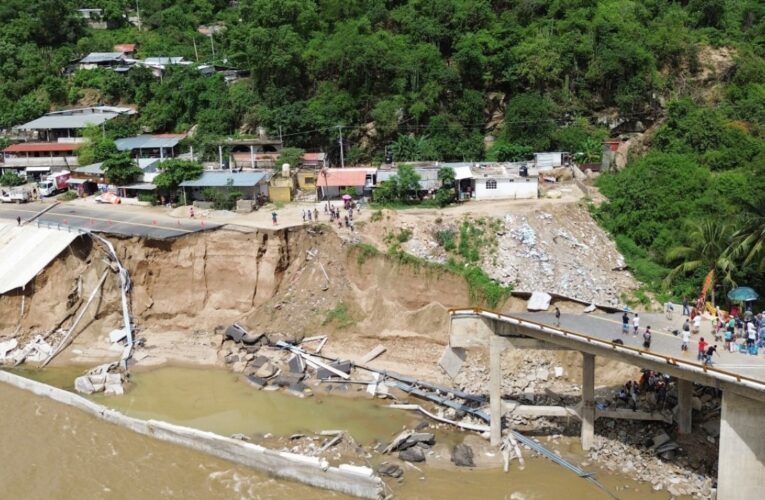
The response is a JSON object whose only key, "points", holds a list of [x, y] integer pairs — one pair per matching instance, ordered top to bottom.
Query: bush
{"points": [[11, 179], [68, 196], [147, 198], [221, 200], [404, 235], [446, 239], [364, 251], [339, 316]]}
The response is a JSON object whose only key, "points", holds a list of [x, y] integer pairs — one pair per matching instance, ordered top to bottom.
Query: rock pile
{"points": [[102, 378]]}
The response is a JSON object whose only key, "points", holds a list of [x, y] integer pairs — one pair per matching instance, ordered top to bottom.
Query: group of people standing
{"points": [[647, 334]]}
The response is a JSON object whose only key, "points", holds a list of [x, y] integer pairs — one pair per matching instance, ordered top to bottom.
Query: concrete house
{"points": [[110, 60], [261, 152], [35, 160], [513, 181], [332, 182], [250, 184]]}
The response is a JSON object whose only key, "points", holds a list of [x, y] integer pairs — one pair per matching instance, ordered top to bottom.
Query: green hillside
{"points": [[441, 79]]}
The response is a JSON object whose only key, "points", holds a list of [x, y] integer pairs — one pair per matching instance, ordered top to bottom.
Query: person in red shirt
{"points": [[702, 349]]}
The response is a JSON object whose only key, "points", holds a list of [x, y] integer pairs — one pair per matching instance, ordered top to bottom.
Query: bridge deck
{"points": [[593, 334]]}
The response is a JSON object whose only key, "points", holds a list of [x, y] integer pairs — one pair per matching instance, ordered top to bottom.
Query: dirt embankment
{"points": [[287, 283]]}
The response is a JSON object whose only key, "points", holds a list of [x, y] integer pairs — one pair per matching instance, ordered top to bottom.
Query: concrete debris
{"points": [[539, 301], [590, 308], [235, 333], [117, 335], [7, 346], [377, 351], [452, 360], [296, 364], [335, 369], [102, 378], [712, 427], [660, 439], [413, 454], [462, 455], [390, 470]]}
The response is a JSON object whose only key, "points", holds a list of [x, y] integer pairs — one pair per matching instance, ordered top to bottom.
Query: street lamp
{"points": [[326, 185]]}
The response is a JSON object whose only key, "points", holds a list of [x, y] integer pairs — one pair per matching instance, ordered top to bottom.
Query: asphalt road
{"points": [[105, 219], [609, 327]]}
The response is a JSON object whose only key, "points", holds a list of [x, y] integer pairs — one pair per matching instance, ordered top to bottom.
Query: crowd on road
{"points": [[738, 332]]}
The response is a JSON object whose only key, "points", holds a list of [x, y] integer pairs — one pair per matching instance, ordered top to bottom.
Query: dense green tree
{"points": [[121, 169], [173, 172]]}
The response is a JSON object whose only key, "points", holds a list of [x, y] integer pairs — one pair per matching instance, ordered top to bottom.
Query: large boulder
{"points": [[539, 301], [413, 454], [462, 455]]}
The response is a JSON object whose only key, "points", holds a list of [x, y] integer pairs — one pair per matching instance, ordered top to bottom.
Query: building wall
{"points": [[302, 177], [522, 188], [334, 191], [280, 193]]}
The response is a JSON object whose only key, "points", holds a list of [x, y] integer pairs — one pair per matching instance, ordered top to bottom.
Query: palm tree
{"points": [[749, 241], [709, 248]]}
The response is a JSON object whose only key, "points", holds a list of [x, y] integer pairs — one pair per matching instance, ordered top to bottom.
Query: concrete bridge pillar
{"points": [[495, 389], [588, 400], [684, 406], [742, 448]]}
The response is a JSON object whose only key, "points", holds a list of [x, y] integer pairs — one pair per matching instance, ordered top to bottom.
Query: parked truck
{"points": [[53, 184], [14, 195]]}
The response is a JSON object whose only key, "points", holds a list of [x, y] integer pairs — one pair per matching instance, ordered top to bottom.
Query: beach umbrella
{"points": [[742, 294]]}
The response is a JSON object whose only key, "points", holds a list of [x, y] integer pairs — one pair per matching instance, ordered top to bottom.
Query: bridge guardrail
{"points": [[753, 383]]}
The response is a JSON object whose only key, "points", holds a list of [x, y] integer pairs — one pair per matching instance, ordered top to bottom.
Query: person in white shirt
{"points": [[635, 324], [697, 324], [751, 334], [686, 338]]}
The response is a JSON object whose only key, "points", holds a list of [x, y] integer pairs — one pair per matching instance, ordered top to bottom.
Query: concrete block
{"points": [[539, 301], [452, 360], [83, 385]]}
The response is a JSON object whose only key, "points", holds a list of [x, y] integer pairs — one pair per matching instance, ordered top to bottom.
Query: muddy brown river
{"points": [[48, 450]]}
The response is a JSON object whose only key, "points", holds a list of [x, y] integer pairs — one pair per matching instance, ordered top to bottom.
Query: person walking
{"points": [[191, 212], [316, 214], [303, 216], [274, 218], [18, 221], [668, 309], [686, 310], [557, 317], [625, 323], [635, 324], [751, 335], [647, 338], [686, 338], [702, 350], [711, 350]]}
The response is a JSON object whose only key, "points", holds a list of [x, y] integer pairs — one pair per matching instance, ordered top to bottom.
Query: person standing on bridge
{"points": [[625, 323], [635, 324], [647, 338], [686, 338], [702, 349], [708, 355]]}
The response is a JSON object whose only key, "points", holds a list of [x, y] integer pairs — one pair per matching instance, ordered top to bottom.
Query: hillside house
{"points": [[126, 49], [111, 60], [67, 125], [161, 146], [261, 152], [37, 160], [512, 181], [332, 182], [250, 184]]}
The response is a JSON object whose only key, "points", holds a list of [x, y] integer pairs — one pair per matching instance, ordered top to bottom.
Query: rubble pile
{"points": [[542, 252], [103, 378]]}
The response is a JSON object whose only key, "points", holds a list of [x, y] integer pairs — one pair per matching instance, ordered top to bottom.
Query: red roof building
{"points": [[42, 147]]}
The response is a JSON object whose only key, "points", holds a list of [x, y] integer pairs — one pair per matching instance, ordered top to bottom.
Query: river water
{"points": [[48, 450]]}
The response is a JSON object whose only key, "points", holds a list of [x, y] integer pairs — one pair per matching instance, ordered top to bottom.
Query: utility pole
{"points": [[138, 15], [212, 43], [196, 53], [280, 135], [342, 158]]}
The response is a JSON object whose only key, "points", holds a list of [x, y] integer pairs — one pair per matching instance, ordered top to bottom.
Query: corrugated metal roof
{"points": [[102, 57], [163, 60], [68, 121], [146, 142], [32, 147], [92, 169], [462, 172], [337, 177], [221, 179], [140, 186]]}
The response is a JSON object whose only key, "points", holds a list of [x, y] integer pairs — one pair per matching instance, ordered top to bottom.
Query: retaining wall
{"points": [[351, 480]]}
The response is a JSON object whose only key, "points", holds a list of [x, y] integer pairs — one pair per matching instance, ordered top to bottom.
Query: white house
{"points": [[496, 182]]}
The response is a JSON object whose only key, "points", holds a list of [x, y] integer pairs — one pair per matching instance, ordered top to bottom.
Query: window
{"points": [[310, 180], [491, 184]]}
